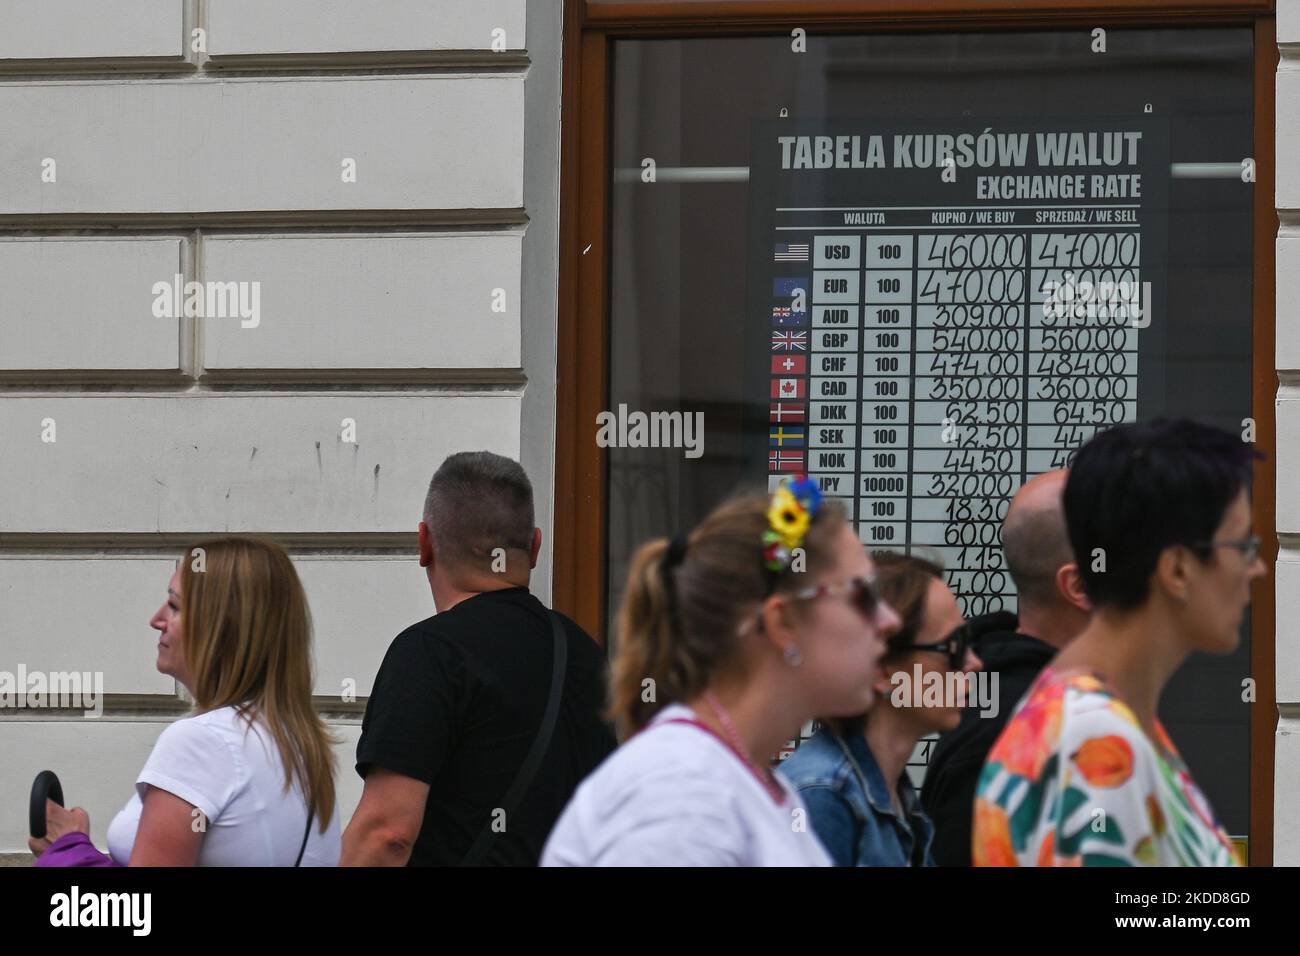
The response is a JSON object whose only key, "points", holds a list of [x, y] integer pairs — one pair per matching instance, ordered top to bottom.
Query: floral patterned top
{"points": [[1075, 781]]}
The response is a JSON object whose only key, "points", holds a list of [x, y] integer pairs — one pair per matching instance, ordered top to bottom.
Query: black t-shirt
{"points": [[457, 703]]}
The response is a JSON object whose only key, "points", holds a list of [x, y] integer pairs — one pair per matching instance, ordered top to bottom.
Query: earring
{"points": [[792, 656]]}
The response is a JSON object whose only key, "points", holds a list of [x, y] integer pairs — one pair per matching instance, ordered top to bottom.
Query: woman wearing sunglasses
{"points": [[729, 640], [1084, 773], [852, 774]]}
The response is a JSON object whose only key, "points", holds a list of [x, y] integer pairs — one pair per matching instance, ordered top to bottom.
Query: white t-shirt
{"points": [[235, 776], [676, 795]]}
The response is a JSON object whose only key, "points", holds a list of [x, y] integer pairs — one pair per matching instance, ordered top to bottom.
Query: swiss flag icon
{"points": [[789, 365], [789, 388]]}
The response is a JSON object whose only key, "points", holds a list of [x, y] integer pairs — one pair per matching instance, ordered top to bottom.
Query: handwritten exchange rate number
{"points": [[996, 356]]}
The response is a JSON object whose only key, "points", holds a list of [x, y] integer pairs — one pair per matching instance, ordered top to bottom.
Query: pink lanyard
{"points": [[769, 784]]}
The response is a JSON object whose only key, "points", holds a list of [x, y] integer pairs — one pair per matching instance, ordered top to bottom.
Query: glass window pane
{"points": [[746, 174]]}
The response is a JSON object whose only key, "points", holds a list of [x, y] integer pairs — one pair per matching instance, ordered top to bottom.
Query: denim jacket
{"points": [[857, 824]]}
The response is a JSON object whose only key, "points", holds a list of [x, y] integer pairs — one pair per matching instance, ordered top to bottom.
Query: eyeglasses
{"points": [[1249, 547], [861, 591], [862, 594], [954, 645]]}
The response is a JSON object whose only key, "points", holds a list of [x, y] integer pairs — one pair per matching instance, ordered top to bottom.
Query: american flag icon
{"points": [[790, 252]]}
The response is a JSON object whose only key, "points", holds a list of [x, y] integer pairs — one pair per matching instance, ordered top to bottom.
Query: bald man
{"points": [[1053, 610]]}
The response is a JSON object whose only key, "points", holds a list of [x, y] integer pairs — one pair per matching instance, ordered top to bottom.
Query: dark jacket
{"points": [[948, 793]]}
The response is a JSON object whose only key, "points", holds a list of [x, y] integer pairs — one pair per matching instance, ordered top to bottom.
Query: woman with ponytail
{"points": [[729, 640]]}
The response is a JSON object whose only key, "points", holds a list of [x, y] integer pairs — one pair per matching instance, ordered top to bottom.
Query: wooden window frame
{"points": [[590, 27]]}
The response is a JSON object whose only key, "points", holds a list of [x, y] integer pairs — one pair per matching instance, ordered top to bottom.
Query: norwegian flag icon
{"points": [[778, 460]]}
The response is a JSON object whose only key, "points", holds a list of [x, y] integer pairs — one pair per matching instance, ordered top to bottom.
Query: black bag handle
{"points": [[528, 769], [46, 786], [305, 833]]}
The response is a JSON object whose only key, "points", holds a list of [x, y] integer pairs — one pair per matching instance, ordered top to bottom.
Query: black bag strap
{"points": [[528, 769], [305, 833]]}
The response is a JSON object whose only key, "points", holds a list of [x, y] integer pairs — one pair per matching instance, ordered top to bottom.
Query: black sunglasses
{"points": [[954, 645]]}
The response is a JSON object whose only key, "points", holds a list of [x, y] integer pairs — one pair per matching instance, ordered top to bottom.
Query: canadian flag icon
{"points": [[789, 388]]}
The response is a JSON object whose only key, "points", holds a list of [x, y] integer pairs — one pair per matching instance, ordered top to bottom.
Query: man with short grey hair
{"points": [[1053, 609], [485, 717]]}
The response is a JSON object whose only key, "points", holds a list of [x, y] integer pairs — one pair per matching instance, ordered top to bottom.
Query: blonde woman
{"points": [[727, 643], [248, 778]]}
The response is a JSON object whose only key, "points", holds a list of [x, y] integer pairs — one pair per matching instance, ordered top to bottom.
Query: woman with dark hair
{"points": [[729, 640], [1084, 773], [852, 774]]}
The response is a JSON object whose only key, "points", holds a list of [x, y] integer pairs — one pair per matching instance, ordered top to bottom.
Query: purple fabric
{"points": [[74, 849]]}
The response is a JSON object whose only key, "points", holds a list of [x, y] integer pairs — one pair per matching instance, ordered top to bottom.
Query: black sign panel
{"points": [[938, 311]]}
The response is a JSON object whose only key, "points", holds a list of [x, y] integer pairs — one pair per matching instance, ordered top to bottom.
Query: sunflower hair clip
{"points": [[794, 504]]}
